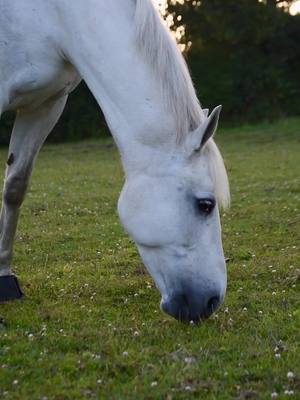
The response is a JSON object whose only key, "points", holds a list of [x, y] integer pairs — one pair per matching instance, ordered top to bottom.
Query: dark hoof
{"points": [[10, 288]]}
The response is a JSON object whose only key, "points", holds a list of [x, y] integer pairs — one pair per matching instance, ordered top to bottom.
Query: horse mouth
{"points": [[184, 310]]}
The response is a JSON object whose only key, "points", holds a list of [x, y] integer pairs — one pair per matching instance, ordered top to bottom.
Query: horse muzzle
{"points": [[188, 306]]}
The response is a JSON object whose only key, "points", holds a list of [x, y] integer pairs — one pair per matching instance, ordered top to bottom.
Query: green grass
{"points": [[88, 298]]}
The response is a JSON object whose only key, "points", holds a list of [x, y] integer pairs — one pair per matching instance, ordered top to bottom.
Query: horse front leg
{"points": [[29, 133]]}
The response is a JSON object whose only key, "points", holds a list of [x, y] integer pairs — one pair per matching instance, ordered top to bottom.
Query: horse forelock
{"points": [[218, 174]]}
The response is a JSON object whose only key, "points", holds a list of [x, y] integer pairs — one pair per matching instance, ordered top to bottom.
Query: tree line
{"points": [[245, 55]]}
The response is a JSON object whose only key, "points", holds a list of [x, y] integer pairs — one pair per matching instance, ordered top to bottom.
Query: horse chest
{"points": [[32, 70], [34, 84]]}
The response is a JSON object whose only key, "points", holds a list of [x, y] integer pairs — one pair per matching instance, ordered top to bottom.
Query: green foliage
{"points": [[244, 55], [82, 118], [89, 299]]}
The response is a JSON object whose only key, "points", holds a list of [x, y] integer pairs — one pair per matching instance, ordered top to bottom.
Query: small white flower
{"points": [[273, 293], [136, 294], [245, 309], [226, 310], [136, 333], [30, 336], [125, 353], [277, 355], [189, 360], [290, 375], [99, 381], [15, 382], [153, 384], [188, 389], [289, 392], [274, 395]]}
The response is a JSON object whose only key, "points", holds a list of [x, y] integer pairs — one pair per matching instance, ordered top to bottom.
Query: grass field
{"points": [[90, 326]]}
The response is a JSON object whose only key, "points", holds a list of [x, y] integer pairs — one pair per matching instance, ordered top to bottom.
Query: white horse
{"points": [[175, 176]]}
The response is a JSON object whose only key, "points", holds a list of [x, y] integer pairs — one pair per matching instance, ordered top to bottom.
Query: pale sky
{"points": [[295, 8]]}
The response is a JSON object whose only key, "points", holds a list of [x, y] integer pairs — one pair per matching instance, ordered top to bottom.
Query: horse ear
{"points": [[205, 111], [211, 125], [197, 139]]}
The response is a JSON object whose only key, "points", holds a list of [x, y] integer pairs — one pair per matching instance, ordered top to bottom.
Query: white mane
{"points": [[157, 45]]}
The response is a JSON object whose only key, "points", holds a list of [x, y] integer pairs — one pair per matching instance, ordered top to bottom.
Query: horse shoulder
{"points": [[32, 66]]}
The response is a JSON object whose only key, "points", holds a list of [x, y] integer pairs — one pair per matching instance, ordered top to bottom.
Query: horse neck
{"points": [[105, 53]]}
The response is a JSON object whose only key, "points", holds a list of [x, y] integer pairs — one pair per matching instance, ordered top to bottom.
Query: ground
{"points": [[90, 326]]}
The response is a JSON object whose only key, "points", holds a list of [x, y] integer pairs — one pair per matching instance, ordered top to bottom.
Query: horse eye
{"points": [[205, 206]]}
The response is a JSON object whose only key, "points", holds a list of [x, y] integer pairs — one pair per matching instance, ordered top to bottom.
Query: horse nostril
{"points": [[213, 304], [177, 306]]}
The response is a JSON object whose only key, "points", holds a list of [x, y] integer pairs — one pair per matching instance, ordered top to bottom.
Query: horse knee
{"points": [[15, 189]]}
